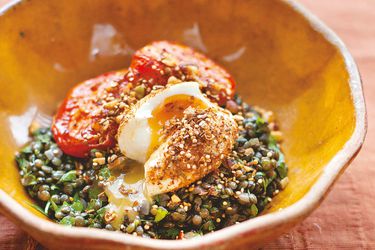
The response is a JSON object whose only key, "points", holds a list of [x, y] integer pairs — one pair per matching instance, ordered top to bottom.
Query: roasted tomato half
{"points": [[158, 61], [89, 116], [83, 121]]}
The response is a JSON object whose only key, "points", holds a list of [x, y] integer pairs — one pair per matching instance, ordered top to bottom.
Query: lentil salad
{"points": [[71, 190]]}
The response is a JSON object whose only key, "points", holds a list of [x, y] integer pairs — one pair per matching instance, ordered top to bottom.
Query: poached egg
{"points": [[139, 133], [178, 135], [171, 138]]}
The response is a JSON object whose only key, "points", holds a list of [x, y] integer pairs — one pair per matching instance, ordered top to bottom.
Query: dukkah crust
{"points": [[156, 62], [194, 146]]}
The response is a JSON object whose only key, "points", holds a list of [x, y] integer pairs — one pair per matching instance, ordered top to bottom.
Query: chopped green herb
{"points": [[259, 121], [42, 136], [27, 150], [22, 163], [282, 170], [105, 173], [69, 176], [28, 180], [94, 191], [157, 198], [91, 204], [54, 206], [77, 206], [36, 207], [46, 208], [254, 210], [101, 211], [160, 214], [68, 221], [210, 226], [171, 233]]}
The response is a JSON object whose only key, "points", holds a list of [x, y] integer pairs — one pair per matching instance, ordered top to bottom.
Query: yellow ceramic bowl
{"points": [[282, 57]]}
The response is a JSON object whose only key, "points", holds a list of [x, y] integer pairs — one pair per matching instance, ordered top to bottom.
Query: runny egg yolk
{"points": [[172, 107], [139, 132], [139, 136], [133, 177], [126, 191]]}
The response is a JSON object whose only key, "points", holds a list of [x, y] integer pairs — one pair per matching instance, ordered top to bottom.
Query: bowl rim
{"points": [[301, 209]]}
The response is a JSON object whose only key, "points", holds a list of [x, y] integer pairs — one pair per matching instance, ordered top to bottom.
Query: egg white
{"points": [[134, 136]]}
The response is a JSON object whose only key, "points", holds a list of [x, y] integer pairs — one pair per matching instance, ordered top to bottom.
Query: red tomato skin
{"points": [[162, 59], [74, 124]]}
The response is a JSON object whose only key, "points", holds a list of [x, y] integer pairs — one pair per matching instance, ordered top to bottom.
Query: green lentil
{"points": [[139, 91], [240, 189], [44, 195], [65, 209], [197, 220], [80, 221]]}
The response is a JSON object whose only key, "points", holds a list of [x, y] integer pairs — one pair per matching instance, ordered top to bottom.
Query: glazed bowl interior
{"points": [[278, 60]]}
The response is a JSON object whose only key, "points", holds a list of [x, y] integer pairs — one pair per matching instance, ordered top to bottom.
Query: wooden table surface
{"points": [[346, 219]]}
